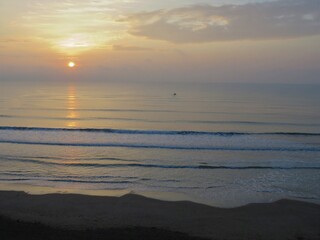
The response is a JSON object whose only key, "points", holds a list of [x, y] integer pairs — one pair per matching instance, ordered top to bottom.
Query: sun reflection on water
{"points": [[72, 106]]}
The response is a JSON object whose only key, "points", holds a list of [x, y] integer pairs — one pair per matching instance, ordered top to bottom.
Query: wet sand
{"points": [[284, 219]]}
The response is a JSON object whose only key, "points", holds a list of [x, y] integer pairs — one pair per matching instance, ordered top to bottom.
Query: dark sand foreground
{"points": [[285, 219]]}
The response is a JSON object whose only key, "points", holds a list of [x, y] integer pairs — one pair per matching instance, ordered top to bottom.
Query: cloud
{"points": [[206, 23], [74, 26], [14, 40], [130, 48]]}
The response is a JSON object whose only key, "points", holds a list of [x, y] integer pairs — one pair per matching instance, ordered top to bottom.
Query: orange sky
{"points": [[136, 40]]}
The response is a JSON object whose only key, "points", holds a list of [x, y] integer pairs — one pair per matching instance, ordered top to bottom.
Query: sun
{"points": [[71, 64]]}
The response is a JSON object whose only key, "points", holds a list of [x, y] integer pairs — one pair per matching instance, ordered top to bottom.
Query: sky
{"points": [[276, 41]]}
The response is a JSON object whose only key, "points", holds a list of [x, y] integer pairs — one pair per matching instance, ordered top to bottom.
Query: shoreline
{"points": [[43, 190], [158, 195], [284, 219]]}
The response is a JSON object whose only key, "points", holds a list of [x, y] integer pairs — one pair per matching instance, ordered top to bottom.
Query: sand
{"points": [[284, 219]]}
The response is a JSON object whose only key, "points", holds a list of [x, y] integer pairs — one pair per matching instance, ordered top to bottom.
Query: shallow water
{"points": [[223, 144]]}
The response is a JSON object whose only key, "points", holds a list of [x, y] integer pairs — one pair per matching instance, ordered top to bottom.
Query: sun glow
{"points": [[74, 43], [71, 64]]}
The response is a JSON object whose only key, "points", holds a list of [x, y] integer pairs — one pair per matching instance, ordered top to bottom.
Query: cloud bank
{"points": [[206, 23]]}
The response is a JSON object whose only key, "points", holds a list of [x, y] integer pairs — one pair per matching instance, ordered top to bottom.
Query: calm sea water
{"points": [[224, 144]]}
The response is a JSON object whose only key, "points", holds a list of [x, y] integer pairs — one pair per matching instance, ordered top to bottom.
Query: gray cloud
{"points": [[206, 23]]}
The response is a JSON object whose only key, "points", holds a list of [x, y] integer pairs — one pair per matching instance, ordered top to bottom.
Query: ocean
{"points": [[221, 144]]}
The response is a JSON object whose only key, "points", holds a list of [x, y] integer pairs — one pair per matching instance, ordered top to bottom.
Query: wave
{"points": [[107, 110], [6, 116], [208, 122], [153, 132], [260, 149], [44, 158], [36, 161], [136, 164], [145, 165], [163, 166], [34, 175], [64, 180], [89, 181]]}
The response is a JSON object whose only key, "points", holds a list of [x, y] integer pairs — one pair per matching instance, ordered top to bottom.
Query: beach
{"points": [[161, 120], [284, 219]]}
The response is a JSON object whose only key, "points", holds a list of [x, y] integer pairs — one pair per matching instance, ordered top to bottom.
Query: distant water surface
{"points": [[223, 144]]}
